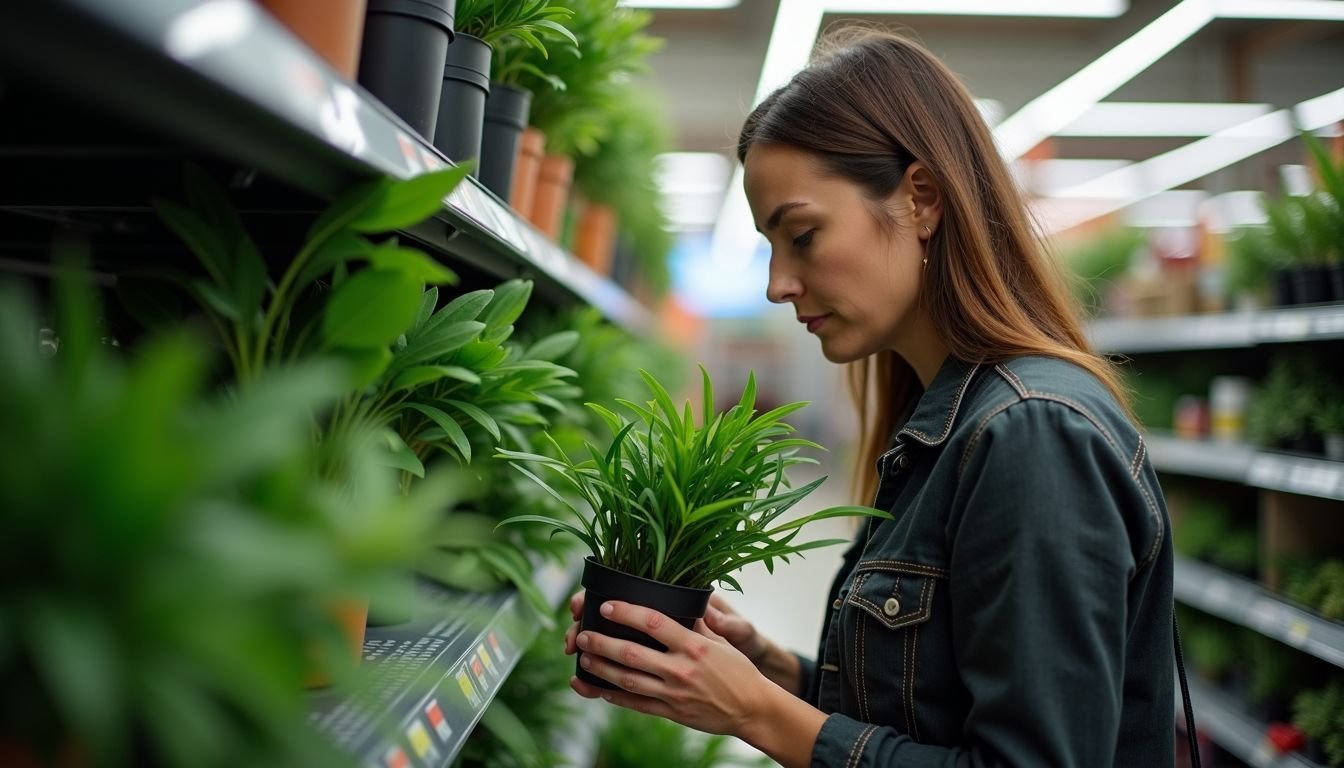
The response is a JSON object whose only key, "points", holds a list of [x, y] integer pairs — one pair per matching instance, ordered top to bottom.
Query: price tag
{"points": [[1297, 632]]}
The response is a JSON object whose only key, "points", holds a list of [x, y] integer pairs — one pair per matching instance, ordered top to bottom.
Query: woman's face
{"points": [[852, 281]]}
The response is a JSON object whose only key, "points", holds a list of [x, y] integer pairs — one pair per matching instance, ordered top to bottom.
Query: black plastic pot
{"points": [[401, 62], [465, 84], [506, 111], [1336, 276], [1281, 281], [1311, 285], [682, 604]]}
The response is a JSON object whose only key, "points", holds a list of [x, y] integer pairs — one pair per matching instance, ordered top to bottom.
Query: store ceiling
{"points": [[711, 64]]}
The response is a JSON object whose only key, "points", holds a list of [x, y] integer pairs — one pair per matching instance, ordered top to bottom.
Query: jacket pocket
{"points": [[889, 602]]}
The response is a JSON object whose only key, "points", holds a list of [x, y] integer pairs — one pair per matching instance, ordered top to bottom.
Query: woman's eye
{"points": [[803, 240]]}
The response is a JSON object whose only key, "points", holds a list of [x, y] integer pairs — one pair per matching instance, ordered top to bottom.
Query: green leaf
{"points": [[404, 203], [344, 209], [207, 245], [334, 251], [411, 262], [213, 297], [154, 304], [427, 304], [507, 306], [371, 309], [553, 346], [366, 365], [419, 375], [477, 415], [450, 427], [401, 456], [516, 570], [78, 662], [501, 721]]}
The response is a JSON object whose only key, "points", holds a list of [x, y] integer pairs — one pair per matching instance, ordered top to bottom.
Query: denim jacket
{"points": [[1017, 611]]}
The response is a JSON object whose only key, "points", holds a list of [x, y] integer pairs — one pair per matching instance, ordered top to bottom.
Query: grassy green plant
{"points": [[519, 33], [611, 47], [1251, 258], [1100, 261], [1286, 401], [1328, 419], [687, 504], [169, 556], [1318, 586], [1320, 715]]}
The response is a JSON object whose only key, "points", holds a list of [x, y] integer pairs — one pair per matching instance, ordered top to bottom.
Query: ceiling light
{"points": [[689, 5], [1074, 8], [1313, 10], [1069, 100], [1145, 119], [1173, 208], [1233, 210]]}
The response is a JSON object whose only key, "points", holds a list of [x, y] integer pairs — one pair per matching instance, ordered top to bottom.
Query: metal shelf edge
{"points": [[1231, 330], [1241, 463], [1249, 605], [1223, 720]]}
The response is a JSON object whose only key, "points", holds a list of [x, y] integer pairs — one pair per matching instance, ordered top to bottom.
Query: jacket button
{"points": [[903, 461], [836, 605], [892, 606]]}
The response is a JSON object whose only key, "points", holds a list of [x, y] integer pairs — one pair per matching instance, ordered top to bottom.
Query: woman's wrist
{"points": [[781, 667], [784, 727]]}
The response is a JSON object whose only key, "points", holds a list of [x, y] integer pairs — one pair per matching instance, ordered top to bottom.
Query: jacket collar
{"points": [[931, 421]]}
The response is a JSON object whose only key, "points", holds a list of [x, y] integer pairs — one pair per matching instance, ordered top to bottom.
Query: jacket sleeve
{"points": [[1041, 559]]}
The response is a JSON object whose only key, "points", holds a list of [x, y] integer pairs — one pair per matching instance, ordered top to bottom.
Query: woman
{"points": [[1017, 611]]}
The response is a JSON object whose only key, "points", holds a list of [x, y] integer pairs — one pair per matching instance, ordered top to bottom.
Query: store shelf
{"points": [[224, 77], [1128, 335], [1240, 463], [1248, 604], [429, 681], [1221, 718]]}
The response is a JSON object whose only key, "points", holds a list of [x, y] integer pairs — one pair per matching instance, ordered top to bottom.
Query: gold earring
{"points": [[927, 232]]}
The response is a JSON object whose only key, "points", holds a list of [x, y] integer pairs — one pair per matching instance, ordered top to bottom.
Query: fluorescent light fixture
{"points": [[687, 5], [1073, 8], [1311, 10], [1066, 102], [1145, 119], [1199, 158], [1044, 177], [1296, 180], [691, 185]]}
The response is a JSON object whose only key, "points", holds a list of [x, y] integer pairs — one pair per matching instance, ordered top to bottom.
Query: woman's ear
{"points": [[927, 196]]}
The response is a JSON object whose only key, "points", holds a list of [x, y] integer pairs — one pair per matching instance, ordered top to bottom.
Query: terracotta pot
{"points": [[332, 28], [531, 149], [553, 181], [595, 237], [352, 615]]}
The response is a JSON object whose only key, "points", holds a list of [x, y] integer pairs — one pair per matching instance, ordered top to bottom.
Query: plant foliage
{"points": [[687, 504]]}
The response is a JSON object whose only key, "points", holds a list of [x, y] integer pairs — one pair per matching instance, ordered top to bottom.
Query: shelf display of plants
{"points": [[487, 30], [571, 121], [1297, 257], [1295, 405], [1207, 530], [176, 558], [1316, 584], [1319, 714]]}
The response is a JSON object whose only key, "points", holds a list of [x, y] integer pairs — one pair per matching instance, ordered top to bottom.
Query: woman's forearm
{"points": [[781, 668], [785, 728]]}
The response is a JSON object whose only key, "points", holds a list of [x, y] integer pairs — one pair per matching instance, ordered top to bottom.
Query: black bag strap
{"points": [[1185, 695]]}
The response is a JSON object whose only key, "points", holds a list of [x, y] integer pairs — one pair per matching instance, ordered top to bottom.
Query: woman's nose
{"points": [[783, 287]]}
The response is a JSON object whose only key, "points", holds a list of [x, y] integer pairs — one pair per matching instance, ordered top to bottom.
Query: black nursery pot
{"points": [[401, 61], [465, 84], [506, 112], [1336, 272], [1281, 280], [1311, 285], [682, 604]]}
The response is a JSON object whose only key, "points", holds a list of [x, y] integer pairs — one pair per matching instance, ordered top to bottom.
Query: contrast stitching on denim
{"points": [[1012, 378], [951, 413], [979, 429], [1138, 459], [1157, 519], [901, 565], [924, 601], [861, 668], [907, 682], [856, 754]]}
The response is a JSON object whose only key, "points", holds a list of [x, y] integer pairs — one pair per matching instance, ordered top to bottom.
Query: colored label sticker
{"points": [[410, 153], [494, 643], [485, 657], [478, 669], [468, 689], [437, 721], [420, 741], [396, 758]]}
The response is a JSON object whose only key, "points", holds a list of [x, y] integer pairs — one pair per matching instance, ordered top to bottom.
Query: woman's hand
{"points": [[721, 617], [701, 681]]}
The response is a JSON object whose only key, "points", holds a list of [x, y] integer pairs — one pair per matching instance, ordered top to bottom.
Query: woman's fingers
{"points": [[576, 605], [650, 622], [571, 635], [629, 655], [623, 677], [621, 698]]}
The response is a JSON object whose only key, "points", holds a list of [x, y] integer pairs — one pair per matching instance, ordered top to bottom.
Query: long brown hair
{"points": [[871, 104]]}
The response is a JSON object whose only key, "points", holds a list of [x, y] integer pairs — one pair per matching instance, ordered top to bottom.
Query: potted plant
{"points": [[483, 26], [333, 29], [611, 47], [404, 48], [1330, 224], [1329, 422], [676, 507], [170, 554], [1320, 715]]}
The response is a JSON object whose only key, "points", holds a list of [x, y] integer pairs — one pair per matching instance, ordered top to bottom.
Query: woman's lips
{"points": [[813, 322]]}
